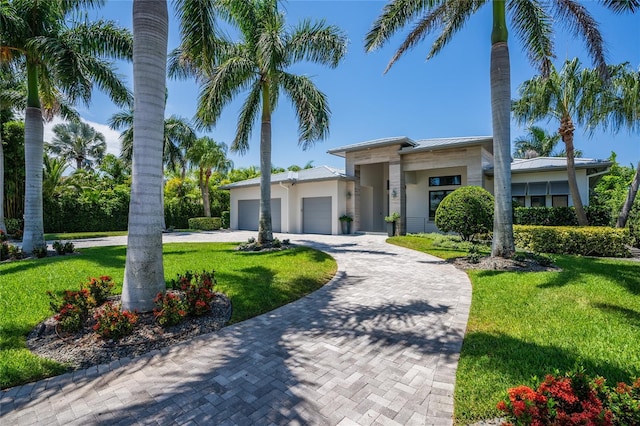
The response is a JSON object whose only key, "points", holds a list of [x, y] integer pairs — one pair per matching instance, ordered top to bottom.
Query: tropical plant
{"points": [[533, 24], [63, 59], [259, 63], [565, 96], [77, 141], [537, 143], [13, 151], [208, 156], [243, 173], [53, 176], [467, 211], [144, 271]]}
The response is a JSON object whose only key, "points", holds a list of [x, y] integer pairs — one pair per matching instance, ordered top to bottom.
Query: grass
{"points": [[82, 235], [255, 282], [526, 325]]}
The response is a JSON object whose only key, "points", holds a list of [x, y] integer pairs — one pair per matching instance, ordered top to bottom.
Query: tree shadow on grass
{"points": [[628, 316]]}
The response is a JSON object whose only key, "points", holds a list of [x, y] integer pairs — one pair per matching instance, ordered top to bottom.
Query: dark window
{"points": [[445, 180], [518, 189], [435, 197], [518, 201], [538, 201], [560, 201]]}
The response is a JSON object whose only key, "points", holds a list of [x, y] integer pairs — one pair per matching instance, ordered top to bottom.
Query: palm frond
{"points": [[621, 6], [456, 15], [578, 20], [534, 28], [102, 38], [316, 42], [312, 108], [247, 119]]}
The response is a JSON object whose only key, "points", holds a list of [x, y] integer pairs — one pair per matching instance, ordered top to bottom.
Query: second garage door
{"points": [[249, 215], [316, 215]]}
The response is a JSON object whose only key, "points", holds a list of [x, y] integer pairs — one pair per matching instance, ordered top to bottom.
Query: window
{"points": [[445, 180], [559, 187], [518, 189], [435, 197], [518, 201], [538, 201], [560, 201]]}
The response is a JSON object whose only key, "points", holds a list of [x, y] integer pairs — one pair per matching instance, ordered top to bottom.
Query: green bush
{"points": [[178, 211], [466, 211], [560, 216], [226, 219], [205, 223], [13, 225], [634, 227], [585, 241]]}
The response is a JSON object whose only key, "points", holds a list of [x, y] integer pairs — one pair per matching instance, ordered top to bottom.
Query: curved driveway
{"points": [[379, 344]]}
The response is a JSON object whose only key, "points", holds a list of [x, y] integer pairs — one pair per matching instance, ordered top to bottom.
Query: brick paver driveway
{"points": [[379, 344]]}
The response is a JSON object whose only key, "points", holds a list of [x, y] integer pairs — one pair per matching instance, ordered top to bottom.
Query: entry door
{"points": [[316, 215]]}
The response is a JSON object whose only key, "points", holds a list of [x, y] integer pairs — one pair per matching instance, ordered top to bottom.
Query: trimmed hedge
{"points": [[107, 211], [178, 211], [467, 211], [560, 216], [226, 219], [205, 223], [584, 241]]}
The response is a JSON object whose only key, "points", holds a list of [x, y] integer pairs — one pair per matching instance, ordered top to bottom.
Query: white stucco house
{"points": [[401, 175]]}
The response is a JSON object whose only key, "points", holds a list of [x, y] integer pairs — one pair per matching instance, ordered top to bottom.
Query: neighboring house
{"points": [[401, 175]]}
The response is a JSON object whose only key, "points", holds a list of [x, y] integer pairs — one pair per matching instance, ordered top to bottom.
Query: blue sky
{"points": [[445, 96]]}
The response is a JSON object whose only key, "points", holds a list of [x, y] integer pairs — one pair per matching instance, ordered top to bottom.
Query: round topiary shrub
{"points": [[466, 211]]}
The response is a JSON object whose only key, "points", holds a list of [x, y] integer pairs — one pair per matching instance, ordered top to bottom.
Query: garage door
{"points": [[249, 215], [316, 215]]}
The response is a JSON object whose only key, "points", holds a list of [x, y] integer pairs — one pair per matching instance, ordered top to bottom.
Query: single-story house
{"points": [[400, 175]]}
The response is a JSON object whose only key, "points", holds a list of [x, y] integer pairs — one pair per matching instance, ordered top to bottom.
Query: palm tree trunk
{"points": [[566, 131], [205, 194], [628, 202], [3, 226], [265, 233], [502, 245], [144, 272]]}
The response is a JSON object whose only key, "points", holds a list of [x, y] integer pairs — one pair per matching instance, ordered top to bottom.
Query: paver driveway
{"points": [[379, 344]]}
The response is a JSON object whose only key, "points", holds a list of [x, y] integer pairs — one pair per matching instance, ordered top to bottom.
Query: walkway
{"points": [[379, 344]]}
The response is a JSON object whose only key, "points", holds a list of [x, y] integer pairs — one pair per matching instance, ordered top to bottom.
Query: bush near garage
{"points": [[205, 223], [583, 241]]}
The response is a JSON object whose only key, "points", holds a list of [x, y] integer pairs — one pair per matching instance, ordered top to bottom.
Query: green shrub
{"points": [[178, 211], [466, 211], [560, 216], [226, 219], [205, 223], [13, 225], [634, 227], [585, 241], [63, 248], [114, 323]]}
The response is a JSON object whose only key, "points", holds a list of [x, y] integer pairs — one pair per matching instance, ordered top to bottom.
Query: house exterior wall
{"points": [[550, 176], [291, 201]]}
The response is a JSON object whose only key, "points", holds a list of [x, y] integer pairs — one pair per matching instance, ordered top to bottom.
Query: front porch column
{"points": [[396, 193]]}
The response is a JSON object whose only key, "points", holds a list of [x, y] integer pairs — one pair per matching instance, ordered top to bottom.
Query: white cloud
{"points": [[112, 137]]}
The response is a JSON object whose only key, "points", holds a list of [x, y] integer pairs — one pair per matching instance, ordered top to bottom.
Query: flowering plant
{"points": [[3, 236], [100, 288], [198, 291], [72, 309], [170, 309], [114, 323], [573, 399]]}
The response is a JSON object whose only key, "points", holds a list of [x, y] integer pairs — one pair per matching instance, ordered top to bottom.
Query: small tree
{"points": [[466, 211]]}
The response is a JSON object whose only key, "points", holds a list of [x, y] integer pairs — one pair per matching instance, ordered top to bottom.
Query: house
{"points": [[401, 175]]}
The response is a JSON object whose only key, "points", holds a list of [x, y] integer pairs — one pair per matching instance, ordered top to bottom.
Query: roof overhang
{"points": [[403, 141]]}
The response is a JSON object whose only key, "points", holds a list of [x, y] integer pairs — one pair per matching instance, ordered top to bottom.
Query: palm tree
{"points": [[533, 24], [59, 54], [258, 63], [565, 96], [622, 109], [78, 141], [537, 143], [208, 156], [52, 175], [144, 271]]}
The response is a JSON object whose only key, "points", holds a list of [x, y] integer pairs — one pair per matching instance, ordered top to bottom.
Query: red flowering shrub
{"points": [[3, 236], [100, 288], [198, 291], [72, 309], [170, 309], [113, 323], [573, 399]]}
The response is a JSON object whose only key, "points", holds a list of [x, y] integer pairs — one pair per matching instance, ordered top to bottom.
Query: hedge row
{"points": [[71, 214], [560, 216], [205, 223], [585, 241]]}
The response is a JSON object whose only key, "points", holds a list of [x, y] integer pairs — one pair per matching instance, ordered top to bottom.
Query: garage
{"points": [[249, 215], [316, 215]]}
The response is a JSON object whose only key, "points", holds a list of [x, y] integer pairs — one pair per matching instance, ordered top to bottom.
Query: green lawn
{"points": [[82, 235], [255, 282], [523, 325]]}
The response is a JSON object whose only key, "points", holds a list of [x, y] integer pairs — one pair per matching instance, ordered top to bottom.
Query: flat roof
{"points": [[376, 143], [446, 143], [553, 163]]}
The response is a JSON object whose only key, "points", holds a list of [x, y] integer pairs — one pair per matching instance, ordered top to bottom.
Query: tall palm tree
{"points": [[532, 21], [58, 53], [257, 63], [565, 96], [78, 141], [536, 143], [208, 156], [144, 271]]}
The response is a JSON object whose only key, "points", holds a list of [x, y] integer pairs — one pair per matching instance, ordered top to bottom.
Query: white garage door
{"points": [[249, 215], [316, 215]]}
